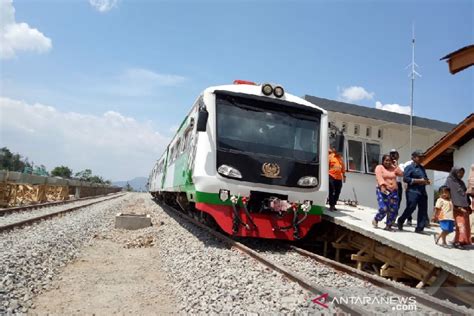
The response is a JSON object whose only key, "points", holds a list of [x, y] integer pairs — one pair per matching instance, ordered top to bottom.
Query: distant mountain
{"points": [[138, 183]]}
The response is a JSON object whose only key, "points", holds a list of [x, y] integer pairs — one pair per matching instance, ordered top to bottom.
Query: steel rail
{"points": [[15, 209], [32, 220], [394, 287], [313, 288]]}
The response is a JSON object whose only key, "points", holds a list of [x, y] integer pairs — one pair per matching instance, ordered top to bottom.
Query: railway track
{"points": [[17, 209], [34, 219], [325, 294]]}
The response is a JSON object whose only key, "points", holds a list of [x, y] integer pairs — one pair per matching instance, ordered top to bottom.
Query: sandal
{"points": [[375, 223], [388, 228]]}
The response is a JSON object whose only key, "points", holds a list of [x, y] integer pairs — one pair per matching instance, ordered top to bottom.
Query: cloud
{"points": [[103, 5], [19, 36], [136, 82], [354, 94], [393, 107], [114, 146]]}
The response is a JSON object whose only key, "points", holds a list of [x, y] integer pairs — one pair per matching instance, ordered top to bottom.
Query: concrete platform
{"points": [[359, 219]]}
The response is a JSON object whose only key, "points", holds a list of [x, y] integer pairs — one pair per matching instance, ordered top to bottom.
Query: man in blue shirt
{"points": [[415, 177]]}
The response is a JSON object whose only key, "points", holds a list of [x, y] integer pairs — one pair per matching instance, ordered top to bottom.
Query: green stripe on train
{"points": [[213, 198]]}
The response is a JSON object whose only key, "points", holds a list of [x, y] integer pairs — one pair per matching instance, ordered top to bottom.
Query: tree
{"points": [[12, 162], [61, 171], [84, 175], [96, 179], [128, 187]]}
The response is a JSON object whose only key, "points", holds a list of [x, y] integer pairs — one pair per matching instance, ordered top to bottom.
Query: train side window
{"points": [[187, 140], [177, 149], [170, 159]]}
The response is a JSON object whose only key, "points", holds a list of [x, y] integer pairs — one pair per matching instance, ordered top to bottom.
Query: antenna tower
{"points": [[413, 74]]}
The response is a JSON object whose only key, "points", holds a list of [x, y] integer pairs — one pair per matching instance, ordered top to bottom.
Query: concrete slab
{"points": [[359, 219], [132, 221]]}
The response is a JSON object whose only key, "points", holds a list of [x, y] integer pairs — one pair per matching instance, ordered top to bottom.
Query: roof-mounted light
{"points": [[244, 82], [267, 89], [278, 91]]}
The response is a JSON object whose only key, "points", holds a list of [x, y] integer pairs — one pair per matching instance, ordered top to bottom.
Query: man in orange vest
{"points": [[337, 175]]}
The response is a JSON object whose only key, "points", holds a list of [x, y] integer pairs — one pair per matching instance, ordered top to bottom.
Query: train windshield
{"points": [[256, 126]]}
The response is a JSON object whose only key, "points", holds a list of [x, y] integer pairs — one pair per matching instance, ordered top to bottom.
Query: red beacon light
{"points": [[244, 82]]}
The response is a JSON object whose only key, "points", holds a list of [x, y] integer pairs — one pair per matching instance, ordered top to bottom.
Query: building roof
{"points": [[457, 52], [460, 59], [383, 115], [440, 155]]}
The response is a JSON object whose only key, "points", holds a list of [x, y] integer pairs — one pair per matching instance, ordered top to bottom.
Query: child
{"points": [[444, 214]]}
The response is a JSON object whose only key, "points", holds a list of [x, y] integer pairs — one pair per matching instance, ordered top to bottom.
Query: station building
{"points": [[370, 133]]}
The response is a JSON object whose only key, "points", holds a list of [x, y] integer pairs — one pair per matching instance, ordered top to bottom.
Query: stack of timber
{"points": [[17, 189], [413, 259]]}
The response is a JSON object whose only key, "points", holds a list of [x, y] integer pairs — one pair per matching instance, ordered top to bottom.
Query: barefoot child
{"points": [[444, 214]]}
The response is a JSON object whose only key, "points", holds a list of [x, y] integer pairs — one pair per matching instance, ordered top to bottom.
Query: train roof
{"points": [[257, 91]]}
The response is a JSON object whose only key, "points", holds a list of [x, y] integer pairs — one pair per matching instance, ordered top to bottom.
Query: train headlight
{"points": [[267, 89], [278, 91], [229, 171], [308, 181], [224, 195]]}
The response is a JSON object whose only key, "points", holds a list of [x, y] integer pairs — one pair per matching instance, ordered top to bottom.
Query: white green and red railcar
{"points": [[252, 158]]}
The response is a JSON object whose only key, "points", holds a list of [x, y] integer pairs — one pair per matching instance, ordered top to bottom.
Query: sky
{"points": [[103, 84]]}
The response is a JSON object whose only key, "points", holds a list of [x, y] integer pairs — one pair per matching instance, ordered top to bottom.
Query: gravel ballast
{"points": [[11, 218], [33, 255], [201, 273], [208, 277]]}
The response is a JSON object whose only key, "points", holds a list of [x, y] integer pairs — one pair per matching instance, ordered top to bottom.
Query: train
{"points": [[249, 158]]}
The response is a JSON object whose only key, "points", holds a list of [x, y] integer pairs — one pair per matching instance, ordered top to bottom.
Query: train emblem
{"points": [[271, 170]]}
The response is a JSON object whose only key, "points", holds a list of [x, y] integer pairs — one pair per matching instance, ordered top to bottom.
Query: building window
{"points": [[344, 127], [356, 129], [368, 131], [380, 134], [354, 156], [362, 156], [372, 156]]}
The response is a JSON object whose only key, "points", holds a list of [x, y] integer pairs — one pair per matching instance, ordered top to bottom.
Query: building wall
{"points": [[392, 136], [464, 157]]}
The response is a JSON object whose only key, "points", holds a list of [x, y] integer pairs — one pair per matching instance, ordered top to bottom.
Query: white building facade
{"points": [[369, 134], [464, 157]]}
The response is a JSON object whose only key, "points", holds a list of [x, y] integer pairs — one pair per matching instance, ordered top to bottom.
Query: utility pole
{"points": [[412, 75]]}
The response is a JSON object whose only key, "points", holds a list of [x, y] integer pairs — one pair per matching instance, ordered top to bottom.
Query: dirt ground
{"points": [[109, 279]]}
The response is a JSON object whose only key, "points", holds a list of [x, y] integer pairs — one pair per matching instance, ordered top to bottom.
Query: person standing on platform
{"points": [[395, 157], [337, 175], [416, 179], [387, 191], [470, 192], [462, 209], [444, 215]]}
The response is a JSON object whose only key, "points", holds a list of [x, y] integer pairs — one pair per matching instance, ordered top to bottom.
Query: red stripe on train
{"points": [[267, 225]]}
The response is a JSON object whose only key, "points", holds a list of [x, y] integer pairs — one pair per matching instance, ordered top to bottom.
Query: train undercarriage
{"points": [[244, 219]]}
